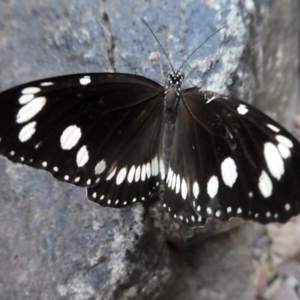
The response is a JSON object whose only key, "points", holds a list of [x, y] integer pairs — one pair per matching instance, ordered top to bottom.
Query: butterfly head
{"points": [[175, 78]]}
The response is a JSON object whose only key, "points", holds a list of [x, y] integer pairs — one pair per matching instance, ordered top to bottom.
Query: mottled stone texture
{"points": [[55, 244]]}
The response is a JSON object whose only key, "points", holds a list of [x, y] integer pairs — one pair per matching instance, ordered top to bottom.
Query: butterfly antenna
{"points": [[159, 44], [201, 45]]}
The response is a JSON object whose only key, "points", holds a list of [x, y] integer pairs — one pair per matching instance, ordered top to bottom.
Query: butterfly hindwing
{"points": [[102, 131], [236, 162], [177, 193]]}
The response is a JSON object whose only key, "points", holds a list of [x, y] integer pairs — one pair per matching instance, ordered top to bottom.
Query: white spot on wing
{"points": [[85, 80], [47, 83], [31, 90], [25, 98], [242, 109], [29, 110], [272, 127], [27, 132], [70, 137], [284, 140], [284, 151], [82, 156], [274, 161], [154, 166], [100, 167], [55, 169], [162, 169], [148, 170], [228, 171], [131, 172], [143, 173], [111, 174], [137, 174], [121, 176], [169, 176], [170, 181], [173, 181], [265, 184], [212, 186], [177, 189], [183, 189], [196, 189], [287, 207], [209, 210], [218, 213]]}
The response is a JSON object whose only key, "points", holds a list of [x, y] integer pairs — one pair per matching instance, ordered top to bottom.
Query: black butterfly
{"points": [[125, 138]]}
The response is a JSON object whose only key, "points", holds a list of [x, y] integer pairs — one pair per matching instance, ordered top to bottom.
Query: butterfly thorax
{"points": [[172, 93], [171, 101]]}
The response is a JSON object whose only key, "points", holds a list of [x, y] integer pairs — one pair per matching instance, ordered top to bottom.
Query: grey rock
{"points": [[55, 244], [219, 268], [284, 292]]}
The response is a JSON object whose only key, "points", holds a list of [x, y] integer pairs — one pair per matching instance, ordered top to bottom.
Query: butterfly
{"points": [[125, 138]]}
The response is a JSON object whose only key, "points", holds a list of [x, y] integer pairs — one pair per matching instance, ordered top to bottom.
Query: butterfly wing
{"points": [[102, 131], [229, 159]]}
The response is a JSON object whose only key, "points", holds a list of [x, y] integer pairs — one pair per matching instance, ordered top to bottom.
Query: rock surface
{"points": [[55, 244]]}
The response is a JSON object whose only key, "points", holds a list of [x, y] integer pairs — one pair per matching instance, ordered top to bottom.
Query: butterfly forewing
{"points": [[101, 131], [236, 162]]}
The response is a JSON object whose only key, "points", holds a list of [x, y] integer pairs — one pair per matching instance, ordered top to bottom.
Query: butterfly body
{"points": [[172, 93], [126, 138]]}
